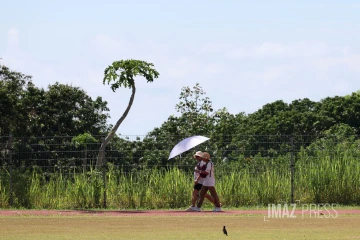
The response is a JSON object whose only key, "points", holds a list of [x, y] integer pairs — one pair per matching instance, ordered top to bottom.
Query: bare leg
{"points": [[203, 191], [215, 196], [194, 197], [210, 198]]}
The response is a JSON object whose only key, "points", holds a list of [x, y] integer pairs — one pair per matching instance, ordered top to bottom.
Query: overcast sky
{"points": [[243, 54]]}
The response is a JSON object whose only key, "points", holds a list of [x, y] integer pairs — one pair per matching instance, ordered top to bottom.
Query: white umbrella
{"points": [[187, 144]]}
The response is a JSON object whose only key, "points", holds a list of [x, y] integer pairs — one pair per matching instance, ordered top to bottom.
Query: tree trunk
{"points": [[111, 134]]}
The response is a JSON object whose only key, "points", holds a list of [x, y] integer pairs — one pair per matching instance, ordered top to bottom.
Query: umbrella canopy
{"points": [[186, 145]]}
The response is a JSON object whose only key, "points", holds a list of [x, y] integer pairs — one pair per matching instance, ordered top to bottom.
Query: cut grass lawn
{"points": [[177, 227]]}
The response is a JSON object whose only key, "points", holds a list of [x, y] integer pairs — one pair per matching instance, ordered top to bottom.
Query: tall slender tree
{"points": [[122, 74], [196, 109]]}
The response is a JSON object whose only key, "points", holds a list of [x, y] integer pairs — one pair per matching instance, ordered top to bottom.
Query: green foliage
{"points": [[123, 72], [13, 87], [192, 101], [60, 110], [195, 110], [338, 110], [69, 111], [279, 118], [83, 139]]}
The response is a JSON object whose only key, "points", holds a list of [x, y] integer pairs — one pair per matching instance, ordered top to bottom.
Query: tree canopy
{"points": [[60, 110]]}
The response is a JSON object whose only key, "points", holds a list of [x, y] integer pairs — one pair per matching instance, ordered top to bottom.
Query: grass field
{"points": [[191, 226]]}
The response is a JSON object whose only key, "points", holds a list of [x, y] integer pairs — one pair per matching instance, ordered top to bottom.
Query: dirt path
{"points": [[155, 212]]}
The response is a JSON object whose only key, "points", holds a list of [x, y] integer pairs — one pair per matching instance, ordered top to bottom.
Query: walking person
{"points": [[198, 181], [208, 184]]}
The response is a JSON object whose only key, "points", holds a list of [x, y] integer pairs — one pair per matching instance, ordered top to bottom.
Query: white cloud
{"points": [[13, 39], [105, 43], [216, 47], [106, 48], [280, 50], [13, 55], [349, 62], [183, 67], [214, 68], [276, 73], [342, 86]]}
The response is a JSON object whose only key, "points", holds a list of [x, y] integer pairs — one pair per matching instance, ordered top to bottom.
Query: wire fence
{"points": [[64, 152], [134, 154]]}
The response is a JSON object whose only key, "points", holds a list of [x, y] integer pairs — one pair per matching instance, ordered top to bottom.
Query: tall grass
{"points": [[319, 178], [325, 178]]}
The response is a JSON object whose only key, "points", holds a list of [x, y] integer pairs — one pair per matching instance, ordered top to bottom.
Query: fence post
{"points": [[10, 148], [85, 159], [292, 168], [104, 172]]}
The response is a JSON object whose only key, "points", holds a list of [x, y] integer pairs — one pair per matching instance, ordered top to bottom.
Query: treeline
{"points": [[60, 110], [38, 118]]}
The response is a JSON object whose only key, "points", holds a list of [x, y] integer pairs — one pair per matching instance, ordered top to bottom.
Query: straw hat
{"points": [[198, 154], [206, 155]]}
